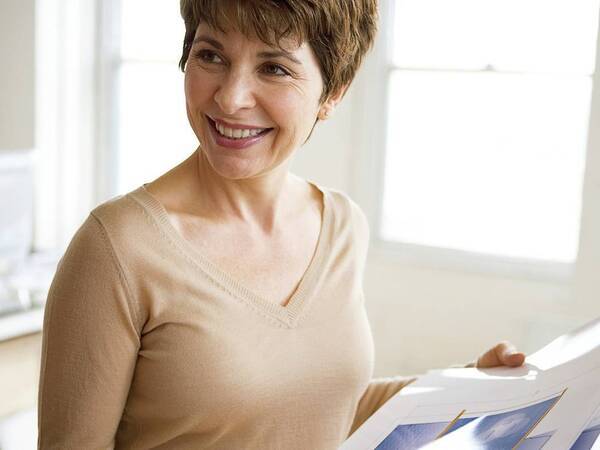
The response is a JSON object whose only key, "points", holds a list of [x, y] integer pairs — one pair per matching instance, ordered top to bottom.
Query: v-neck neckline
{"points": [[296, 305]]}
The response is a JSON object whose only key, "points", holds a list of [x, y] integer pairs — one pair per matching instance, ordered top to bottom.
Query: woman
{"points": [[220, 306]]}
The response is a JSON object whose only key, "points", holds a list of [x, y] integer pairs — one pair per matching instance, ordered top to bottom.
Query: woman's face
{"points": [[250, 105]]}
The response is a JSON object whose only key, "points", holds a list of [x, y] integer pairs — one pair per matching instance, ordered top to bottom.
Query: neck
{"points": [[262, 201]]}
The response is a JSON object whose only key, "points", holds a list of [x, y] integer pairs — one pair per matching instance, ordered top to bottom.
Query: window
{"points": [[110, 108], [487, 117], [151, 133]]}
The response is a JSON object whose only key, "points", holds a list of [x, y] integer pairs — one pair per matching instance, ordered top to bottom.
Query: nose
{"points": [[235, 93]]}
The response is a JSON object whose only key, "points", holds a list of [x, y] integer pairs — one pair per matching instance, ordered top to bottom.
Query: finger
{"points": [[503, 354], [508, 354], [513, 358], [489, 359]]}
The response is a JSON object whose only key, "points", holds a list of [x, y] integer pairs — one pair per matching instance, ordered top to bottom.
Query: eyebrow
{"points": [[209, 40], [280, 53], [269, 54]]}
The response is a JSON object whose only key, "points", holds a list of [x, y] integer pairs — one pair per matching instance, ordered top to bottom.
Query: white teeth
{"points": [[237, 133]]}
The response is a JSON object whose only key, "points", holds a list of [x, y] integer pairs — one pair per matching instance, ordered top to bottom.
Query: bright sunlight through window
{"points": [[488, 111], [153, 130]]}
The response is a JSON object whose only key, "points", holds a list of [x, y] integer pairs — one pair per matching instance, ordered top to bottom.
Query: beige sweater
{"points": [[146, 344]]}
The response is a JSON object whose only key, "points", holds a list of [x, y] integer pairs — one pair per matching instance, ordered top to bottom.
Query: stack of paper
{"points": [[552, 402]]}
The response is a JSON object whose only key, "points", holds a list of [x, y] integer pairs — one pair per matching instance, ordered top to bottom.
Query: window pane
{"points": [[151, 30], [518, 35], [154, 134], [488, 163]]}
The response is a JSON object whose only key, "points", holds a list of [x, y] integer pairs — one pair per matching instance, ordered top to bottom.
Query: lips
{"points": [[220, 124], [250, 138]]}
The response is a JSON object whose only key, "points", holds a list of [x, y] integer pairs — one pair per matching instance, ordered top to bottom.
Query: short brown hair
{"points": [[340, 32]]}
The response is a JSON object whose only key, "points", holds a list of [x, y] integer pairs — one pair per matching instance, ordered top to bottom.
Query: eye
{"points": [[208, 56], [275, 70]]}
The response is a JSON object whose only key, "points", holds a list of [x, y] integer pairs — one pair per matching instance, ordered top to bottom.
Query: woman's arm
{"points": [[89, 346], [379, 391]]}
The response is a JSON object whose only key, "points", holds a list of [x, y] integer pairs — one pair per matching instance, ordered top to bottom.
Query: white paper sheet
{"points": [[552, 402]]}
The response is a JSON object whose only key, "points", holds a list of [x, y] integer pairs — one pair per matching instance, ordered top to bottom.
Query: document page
{"points": [[552, 402]]}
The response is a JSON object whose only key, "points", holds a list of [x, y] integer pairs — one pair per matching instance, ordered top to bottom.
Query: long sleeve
{"points": [[89, 347], [379, 391]]}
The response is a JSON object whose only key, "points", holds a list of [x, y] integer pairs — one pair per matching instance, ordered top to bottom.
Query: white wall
{"points": [[17, 76], [325, 158], [424, 317]]}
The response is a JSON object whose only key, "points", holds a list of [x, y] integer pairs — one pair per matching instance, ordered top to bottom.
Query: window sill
{"points": [[475, 263], [21, 323]]}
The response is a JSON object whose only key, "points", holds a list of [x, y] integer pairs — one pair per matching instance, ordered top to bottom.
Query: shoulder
{"points": [[347, 211], [120, 214], [348, 215], [351, 224], [111, 231], [97, 233], [103, 252], [91, 276]]}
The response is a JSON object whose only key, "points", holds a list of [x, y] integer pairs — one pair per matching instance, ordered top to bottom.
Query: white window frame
{"points": [[109, 59], [112, 61], [370, 95], [66, 132]]}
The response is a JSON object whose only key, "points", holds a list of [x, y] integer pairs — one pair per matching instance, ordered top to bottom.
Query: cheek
{"points": [[197, 88], [293, 112]]}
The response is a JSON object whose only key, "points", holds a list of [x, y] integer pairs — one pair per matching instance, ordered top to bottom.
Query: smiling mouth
{"points": [[237, 134]]}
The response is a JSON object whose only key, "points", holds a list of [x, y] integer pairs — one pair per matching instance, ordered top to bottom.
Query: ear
{"points": [[328, 107]]}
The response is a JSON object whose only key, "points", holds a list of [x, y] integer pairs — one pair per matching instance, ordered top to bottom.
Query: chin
{"points": [[231, 168]]}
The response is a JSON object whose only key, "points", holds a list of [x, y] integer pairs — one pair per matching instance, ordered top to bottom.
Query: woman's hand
{"points": [[502, 354]]}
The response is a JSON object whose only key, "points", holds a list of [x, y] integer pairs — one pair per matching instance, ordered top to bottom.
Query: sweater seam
{"points": [[121, 272]]}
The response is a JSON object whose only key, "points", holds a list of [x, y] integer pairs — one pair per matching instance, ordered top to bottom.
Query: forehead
{"points": [[230, 33], [289, 44]]}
